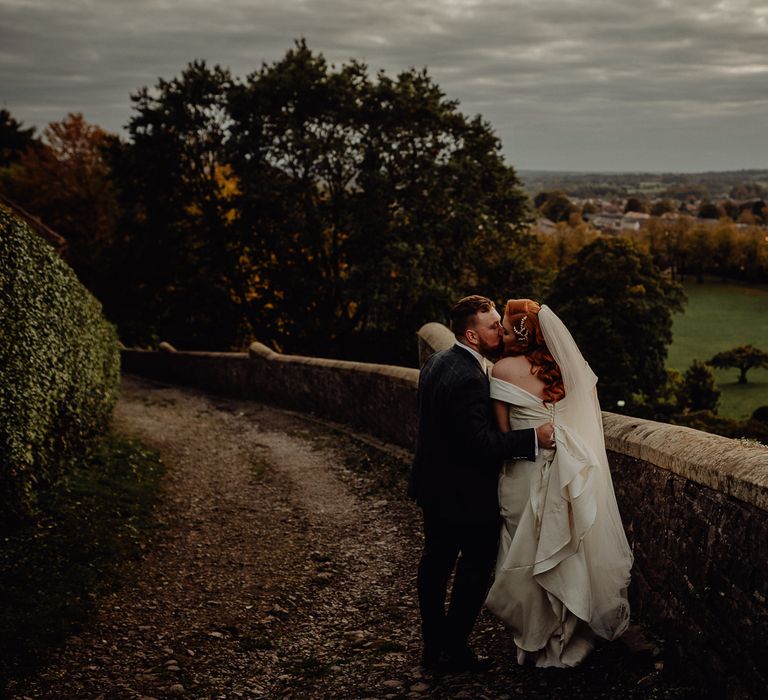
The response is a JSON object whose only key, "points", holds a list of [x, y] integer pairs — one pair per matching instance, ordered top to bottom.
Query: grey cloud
{"points": [[573, 85]]}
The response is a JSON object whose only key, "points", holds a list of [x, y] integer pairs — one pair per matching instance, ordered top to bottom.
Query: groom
{"points": [[459, 452]]}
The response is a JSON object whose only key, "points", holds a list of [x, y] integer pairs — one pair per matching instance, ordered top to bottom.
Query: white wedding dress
{"points": [[563, 566]]}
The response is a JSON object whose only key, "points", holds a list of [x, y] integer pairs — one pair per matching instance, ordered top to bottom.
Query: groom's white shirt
{"points": [[485, 369]]}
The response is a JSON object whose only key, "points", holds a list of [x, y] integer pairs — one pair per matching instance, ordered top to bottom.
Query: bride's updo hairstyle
{"points": [[528, 340]]}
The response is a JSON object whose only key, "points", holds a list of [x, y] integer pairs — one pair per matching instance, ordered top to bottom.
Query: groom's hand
{"points": [[545, 434]]}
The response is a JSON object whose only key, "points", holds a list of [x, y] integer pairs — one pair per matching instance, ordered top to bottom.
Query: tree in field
{"points": [[668, 243], [724, 249], [700, 250], [619, 307], [743, 358], [698, 391]]}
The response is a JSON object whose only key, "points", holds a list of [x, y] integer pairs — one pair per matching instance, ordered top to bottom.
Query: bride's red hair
{"points": [[543, 365]]}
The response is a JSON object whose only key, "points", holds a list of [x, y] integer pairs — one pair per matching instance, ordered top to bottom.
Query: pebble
{"points": [[279, 611], [172, 669], [393, 684], [419, 688], [176, 689]]}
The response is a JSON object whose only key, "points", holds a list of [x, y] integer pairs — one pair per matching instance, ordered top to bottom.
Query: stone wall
{"points": [[378, 399], [695, 505], [695, 509]]}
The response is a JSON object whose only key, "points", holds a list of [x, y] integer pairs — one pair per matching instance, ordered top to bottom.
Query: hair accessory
{"points": [[521, 330]]}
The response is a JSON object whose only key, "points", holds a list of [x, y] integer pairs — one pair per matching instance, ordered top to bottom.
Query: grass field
{"points": [[719, 317]]}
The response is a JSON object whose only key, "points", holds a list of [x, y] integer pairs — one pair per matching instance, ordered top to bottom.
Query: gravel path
{"points": [[284, 567]]}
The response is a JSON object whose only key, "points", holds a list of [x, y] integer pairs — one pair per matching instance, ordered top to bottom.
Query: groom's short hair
{"points": [[464, 311]]}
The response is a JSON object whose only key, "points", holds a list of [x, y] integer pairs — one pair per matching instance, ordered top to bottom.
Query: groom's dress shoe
{"points": [[430, 658]]}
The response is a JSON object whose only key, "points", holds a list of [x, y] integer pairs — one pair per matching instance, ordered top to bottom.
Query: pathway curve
{"points": [[284, 567]]}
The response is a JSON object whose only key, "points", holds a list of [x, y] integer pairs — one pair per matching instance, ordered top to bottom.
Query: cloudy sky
{"points": [[655, 85]]}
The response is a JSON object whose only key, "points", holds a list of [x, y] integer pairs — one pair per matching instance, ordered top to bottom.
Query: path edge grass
{"points": [[90, 530]]}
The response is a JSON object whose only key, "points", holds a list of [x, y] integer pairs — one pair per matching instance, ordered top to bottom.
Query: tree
{"points": [[14, 139], [67, 182], [747, 190], [376, 200], [636, 204], [663, 206], [557, 207], [317, 209], [730, 209], [710, 210], [668, 244], [558, 248], [724, 249], [700, 250], [178, 259], [619, 308], [743, 358], [698, 391]]}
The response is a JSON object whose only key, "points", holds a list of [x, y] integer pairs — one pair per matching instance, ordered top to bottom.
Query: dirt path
{"points": [[284, 568]]}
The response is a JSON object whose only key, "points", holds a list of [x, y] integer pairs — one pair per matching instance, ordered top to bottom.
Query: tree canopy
{"points": [[14, 138], [66, 181], [317, 208], [698, 391]]}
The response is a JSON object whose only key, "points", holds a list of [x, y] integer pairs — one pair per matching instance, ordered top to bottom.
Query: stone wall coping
{"points": [[437, 334], [167, 348], [406, 374], [723, 464]]}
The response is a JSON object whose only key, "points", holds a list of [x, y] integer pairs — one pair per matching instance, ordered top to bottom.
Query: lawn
{"points": [[719, 317]]}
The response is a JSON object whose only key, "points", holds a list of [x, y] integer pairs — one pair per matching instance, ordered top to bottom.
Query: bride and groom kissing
{"points": [[512, 477]]}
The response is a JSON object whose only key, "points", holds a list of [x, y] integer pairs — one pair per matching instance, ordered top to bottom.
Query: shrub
{"points": [[59, 365], [699, 392]]}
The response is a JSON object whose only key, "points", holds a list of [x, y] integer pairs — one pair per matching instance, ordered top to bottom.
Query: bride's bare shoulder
{"points": [[512, 368]]}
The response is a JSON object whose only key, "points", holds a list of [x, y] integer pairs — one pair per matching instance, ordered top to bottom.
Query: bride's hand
{"points": [[546, 436]]}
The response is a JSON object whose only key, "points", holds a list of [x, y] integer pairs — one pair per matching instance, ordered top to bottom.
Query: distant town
{"points": [[626, 202]]}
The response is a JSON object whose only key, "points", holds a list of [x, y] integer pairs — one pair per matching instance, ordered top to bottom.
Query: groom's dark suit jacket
{"points": [[459, 448]]}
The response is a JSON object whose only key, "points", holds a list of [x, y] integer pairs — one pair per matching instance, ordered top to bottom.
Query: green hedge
{"points": [[59, 365]]}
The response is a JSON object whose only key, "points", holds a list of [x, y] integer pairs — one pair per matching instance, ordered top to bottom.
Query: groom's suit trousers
{"points": [[475, 544]]}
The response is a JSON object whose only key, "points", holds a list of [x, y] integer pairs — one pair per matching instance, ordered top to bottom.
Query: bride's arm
{"points": [[501, 411]]}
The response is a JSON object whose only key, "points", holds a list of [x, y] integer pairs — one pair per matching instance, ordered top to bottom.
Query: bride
{"points": [[563, 566]]}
